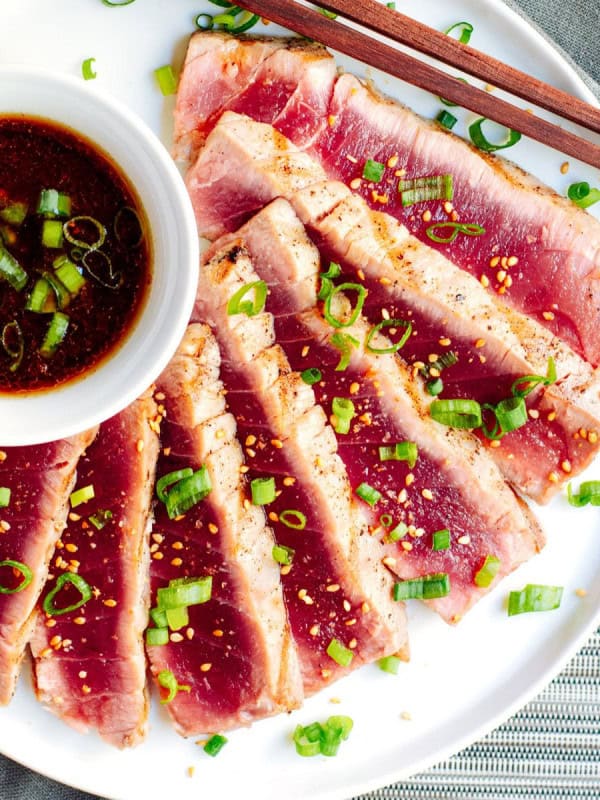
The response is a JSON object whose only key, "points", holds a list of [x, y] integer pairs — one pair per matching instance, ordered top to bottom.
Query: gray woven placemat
{"points": [[551, 749]]}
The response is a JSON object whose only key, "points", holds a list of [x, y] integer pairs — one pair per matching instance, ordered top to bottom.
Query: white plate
{"points": [[461, 681]]}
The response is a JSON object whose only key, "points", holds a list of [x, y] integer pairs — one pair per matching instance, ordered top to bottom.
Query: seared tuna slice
{"points": [[286, 82], [231, 179], [546, 250], [408, 280], [39, 479], [452, 485], [337, 592], [233, 653], [89, 663]]}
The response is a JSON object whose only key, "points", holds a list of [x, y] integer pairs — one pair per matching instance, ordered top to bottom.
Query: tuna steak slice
{"points": [[281, 81], [546, 246], [495, 344], [40, 479], [453, 485], [336, 589], [235, 653], [89, 663]]}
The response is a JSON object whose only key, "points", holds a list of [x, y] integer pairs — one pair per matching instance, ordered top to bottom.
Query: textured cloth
{"points": [[551, 749]]}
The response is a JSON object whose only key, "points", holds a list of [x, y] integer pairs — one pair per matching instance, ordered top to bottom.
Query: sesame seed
{"points": [[331, 120], [351, 159], [392, 161], [564, 167], [355, 183], [448, 207], [426, 216], [494, 261], [512, 261], [360, 274], [501, 275], [385, 281], [484, 281], [508, 281], [548, 315], [445, 342], [480, 343], [305, 350], [354, 387], [534, 413], [551, 416], [366, 418], [592, 437], [277, 443], [495, 443], [139, 445], [2, 455], [566, 466], [553, 477], [410, 479], [289, 481], [427, 494], [402, 496], [273, 516], [74, 517], [4, 525], [212, 527], [466, 539], [177, 545], [406, 546], [71, 548], [158, 556], [388, 561], [176, 562], [285, 569], [333, 587], [581, 592], [110, 603], [346, 605], [365, 608], [79, 620], [350, 622], [51, 623], [314, 630], [189, 633], [176, 637], [55, 641], [352, 644], [47, 651], [205, 667], [326, 673], [82, 674], [86, 689], [335, 700], [406, 715], [190, 771]]}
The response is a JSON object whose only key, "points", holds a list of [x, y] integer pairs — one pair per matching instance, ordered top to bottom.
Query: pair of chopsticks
{"points": [[397, 27]]}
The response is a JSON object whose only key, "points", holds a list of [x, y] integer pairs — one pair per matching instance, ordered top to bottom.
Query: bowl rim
{"points": [[56, 413]]}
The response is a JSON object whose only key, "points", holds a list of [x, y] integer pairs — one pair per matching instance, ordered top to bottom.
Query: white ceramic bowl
{"points": [[55, 413]]}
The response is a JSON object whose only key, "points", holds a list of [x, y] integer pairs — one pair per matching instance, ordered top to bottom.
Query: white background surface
{"points": [[461, 681]]}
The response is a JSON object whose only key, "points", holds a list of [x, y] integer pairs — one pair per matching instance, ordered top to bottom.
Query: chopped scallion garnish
{"points": [[463, 30], [87, 69], [165, 77], [446, 119], [480, 140], [373, 170], [419, 190], [582, 194], [53, 204], [454, 228], [11, 271], [361, 294], [251, 307], [392, 324], [345, 344], [311, 375], [344, 412], [457, 413], [401, 451], [263, 491], [367, 493], [589, 493], [82, 495], [4, 496], [100, 518], [293, 519], [399, 532], [441, 539], [283, 555], [23, 570], [486, 574], [79, 583], [428, 587], [184, 592], [534, 598], [157, 636], [341, 654], [389, 664], [168, 681], [322, 739], [215, 744]]}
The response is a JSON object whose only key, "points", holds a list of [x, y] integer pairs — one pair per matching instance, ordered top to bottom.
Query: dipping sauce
{"points": [[75, 261]]}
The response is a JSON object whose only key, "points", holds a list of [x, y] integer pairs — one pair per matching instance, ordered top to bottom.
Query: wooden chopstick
{"points": [[354, 43]]}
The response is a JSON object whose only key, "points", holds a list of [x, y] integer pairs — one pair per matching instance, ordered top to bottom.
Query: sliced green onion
{"points": [[115, 3], [391, 5], [328, 14], [226, 20], [250, 21], [204, 22], [464, 29], [87, 69], [165, 77], [446, 119], [480, 140], [373, 170], [419, 190], [582, 194], [53, 204], [14, 214], [75, 227], [467, 228], [127, 234], [100, 267], [11, 271], [70, 276], [327, 278], [61, 293], [361, 294], [41, 300], [237, 304], [388, 323], [13, 343], [345, 344], [311, 375], [529, 382], [434, 387], [344, 412], [456, 413], [511, 413], [401, 451], [168, 480], [263, 491], [188, 492], [589, 493], [368, 494], [82, 495], [4, 496], [100, 518], [293, 519], [386, 520], [399, 532], [441, 540], [283, 555], [19, 567], [487, 573], [78, 582], [428, 587], [184, 592], [534, 598], [159, 617], [177, 618], [157, 636], [340, 653], [389, 664], [168, 681], [317, 739], [215, 744]]}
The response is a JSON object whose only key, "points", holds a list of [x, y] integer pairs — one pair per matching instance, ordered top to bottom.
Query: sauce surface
{"points": [[37, 155]]}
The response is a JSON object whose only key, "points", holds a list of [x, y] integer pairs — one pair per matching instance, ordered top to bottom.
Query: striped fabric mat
{"points": [[550, 750]]}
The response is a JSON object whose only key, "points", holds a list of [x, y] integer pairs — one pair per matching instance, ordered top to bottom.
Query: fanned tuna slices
{"points": [[537, 251], [449, 310], [36, 482], [451, 485], [337, 592], [227, 658], [89, 662]]}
